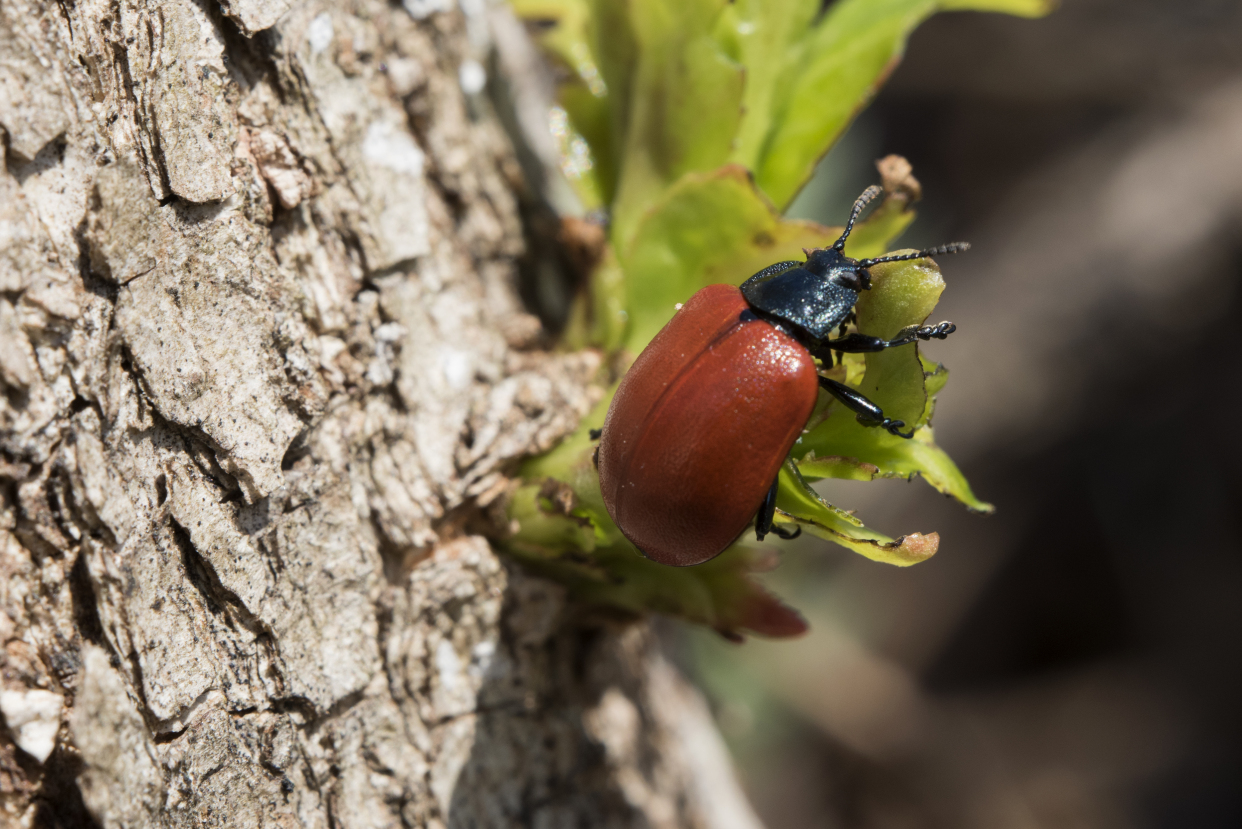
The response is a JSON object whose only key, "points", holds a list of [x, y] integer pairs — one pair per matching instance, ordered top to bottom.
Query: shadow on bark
{"points": [[546, 734]]}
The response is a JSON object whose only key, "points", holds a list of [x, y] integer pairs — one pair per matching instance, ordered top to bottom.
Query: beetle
{"points": [[695, 436]]}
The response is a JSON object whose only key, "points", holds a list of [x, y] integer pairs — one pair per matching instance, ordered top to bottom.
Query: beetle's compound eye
{"points": [[855, 280]]}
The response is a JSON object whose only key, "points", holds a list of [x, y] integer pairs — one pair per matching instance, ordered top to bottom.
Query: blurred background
{"points": [[1074, 660]]}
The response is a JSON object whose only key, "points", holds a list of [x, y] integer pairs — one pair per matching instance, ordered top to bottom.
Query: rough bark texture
{"points": [[264, 372]]}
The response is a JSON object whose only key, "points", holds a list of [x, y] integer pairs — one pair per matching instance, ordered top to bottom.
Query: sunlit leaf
{"points": [[1018, 8], [767, 31], [614, 54], [829, 74], [687, 86], [685, 103], [902, 294], [935, 376], [838, 467], [798, 501]]}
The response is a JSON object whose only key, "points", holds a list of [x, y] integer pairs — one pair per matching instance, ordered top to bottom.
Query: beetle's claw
{"points": [[938, 332], [894, 427]]}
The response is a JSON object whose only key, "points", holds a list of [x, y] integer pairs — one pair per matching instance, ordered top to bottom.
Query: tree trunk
{"points": [[265, 372]]}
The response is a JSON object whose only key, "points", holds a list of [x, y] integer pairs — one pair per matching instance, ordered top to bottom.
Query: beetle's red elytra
{"points": [[700, 425]]}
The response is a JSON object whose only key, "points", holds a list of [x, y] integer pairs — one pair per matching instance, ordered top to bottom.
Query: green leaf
{"points": [[1018, 8], [766, 32], [615, 50], [828, 75], [662, 89], [684, 104], [902, 294], [935, 376], [899, 458], [839, 467], [797, 501]]}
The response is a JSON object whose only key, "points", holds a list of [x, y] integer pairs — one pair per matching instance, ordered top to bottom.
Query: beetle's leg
{"points": [[858, 343], [868, 413], [595, 434], [763, 520], [787, 534]]}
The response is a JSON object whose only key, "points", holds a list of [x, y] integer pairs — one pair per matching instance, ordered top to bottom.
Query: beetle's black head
{"points": [[832, 264]]}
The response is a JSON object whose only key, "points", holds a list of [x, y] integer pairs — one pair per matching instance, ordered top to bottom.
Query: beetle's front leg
{"points": [[862, 343], [869, 414], [763, 521]]}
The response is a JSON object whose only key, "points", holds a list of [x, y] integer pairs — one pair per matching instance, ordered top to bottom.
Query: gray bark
{"points": [[265, 379]]}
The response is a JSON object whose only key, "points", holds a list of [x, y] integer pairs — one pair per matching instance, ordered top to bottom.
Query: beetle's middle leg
{"points": [[869, 414], [763, 520]]}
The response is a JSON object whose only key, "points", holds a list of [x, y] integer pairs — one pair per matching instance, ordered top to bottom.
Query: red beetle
{"points": [[700, 425]]}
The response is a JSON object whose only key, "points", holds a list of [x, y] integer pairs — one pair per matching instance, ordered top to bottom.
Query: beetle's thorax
{"points": [[809, 299]]}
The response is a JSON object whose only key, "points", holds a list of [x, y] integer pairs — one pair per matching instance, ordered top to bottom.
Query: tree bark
{"points": [[265, 375]]}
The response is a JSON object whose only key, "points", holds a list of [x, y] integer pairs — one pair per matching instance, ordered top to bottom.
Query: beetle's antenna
{"points": [[863, 200], [952, 247]]}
